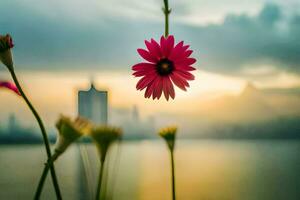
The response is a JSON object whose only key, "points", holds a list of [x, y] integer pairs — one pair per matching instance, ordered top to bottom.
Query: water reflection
{"points": [[208, 170]]}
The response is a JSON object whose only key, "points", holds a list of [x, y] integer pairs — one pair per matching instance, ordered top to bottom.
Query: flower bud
{"points": [[6, 44], [69, 131], [169, 135], [104, 136]]}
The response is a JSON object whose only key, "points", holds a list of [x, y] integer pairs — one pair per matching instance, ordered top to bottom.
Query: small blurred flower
{"points": [[6, 44], [166, 64], [10, 86], [69, 131], [169, 135], [104, 136]]}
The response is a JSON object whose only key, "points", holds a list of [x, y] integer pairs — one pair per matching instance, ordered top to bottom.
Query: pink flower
{"points": [[6, 43], [167, 64], [9, 86]]}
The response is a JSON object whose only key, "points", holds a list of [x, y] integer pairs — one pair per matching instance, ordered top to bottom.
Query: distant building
{"points": [[93, 105], [135, 114], [12, 124], [134, 125]]}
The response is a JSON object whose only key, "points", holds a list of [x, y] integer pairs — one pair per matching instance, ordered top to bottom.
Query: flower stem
{"points": [[167, 12], [44, 134], [173, 175], [44, 176], [100, 180], [38, 191]]}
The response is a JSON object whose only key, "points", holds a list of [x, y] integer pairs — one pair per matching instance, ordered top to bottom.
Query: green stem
{"points": [[167, 12], [43, 130], [116, 164], [173, 175], [44, 176], [100, 180], [41, 182], [104, 184]]}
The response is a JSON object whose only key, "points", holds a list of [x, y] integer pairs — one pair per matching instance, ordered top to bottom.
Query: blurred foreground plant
{"points": [[6, 44], [10, 86], [68, 132], [169, 135], [104, 137]]}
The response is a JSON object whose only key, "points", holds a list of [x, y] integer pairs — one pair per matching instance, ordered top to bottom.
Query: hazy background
{"points": [[247, 52], [247, 87]]}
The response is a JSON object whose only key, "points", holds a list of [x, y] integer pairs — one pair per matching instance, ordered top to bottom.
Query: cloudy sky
{"points": [[96, 34], [234, 41]]}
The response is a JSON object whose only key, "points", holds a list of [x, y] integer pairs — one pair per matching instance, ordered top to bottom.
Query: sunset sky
{"points": [[61, 45]]}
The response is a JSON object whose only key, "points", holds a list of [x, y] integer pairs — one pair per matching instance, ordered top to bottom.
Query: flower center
{"points": [[164, 67]]}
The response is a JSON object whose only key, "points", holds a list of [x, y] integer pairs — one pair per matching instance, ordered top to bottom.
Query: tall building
{"points": [[93, 105], [135, 114], [13, 125]]}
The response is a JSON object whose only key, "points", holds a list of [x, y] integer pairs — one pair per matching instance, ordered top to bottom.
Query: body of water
{"points": [[205, 170]]}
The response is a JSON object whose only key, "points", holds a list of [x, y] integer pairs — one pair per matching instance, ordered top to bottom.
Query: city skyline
{"points": [[258, 45], [250, 105]]}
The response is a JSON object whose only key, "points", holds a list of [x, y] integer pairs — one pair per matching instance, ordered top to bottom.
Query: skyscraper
{"points": [[93, 105], [135, 114], [12, 123]]}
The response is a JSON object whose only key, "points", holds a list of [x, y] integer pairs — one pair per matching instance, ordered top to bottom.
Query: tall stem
{"points": [[167, 12], [44, 134], [115, 171], [173, 174], [100, 180], [41, 182], [39, 189]]}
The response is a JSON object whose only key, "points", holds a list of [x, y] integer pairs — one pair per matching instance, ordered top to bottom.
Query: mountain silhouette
{"points": [[252, 104]]}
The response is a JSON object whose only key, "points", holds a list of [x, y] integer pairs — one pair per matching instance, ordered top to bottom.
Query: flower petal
{"points": [[162, 41], [167, 44], [170, 45], [156, 47], [153, 49], [176, 51], [181, 53], [187, 53], [147, 56], [185, 61], [141, 66], [184, 68], [143, 72], [185, 75], [166, 81], [179, 81], [144, 82], [155, 83], [10, 86], [150, 88], [158, 88], [171, 89]]}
